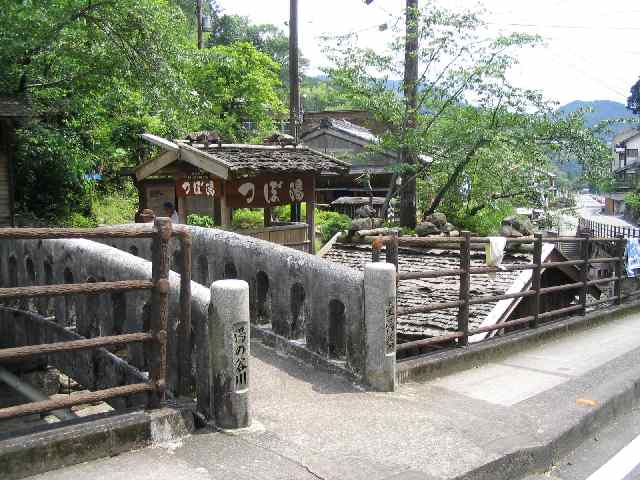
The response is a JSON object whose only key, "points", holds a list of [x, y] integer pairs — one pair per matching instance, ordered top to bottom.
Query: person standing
{"points": [[170, 212]]}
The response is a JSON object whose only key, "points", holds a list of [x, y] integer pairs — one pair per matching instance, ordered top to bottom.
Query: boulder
{"points": [[365, 211], [437, 218], [377, 222], [361, 224], [521, 224], [426, 228], [447, 228], [509, 231], [454, 233]]}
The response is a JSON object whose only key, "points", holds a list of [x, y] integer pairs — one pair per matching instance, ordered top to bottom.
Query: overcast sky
{"points": [[592, 47]]}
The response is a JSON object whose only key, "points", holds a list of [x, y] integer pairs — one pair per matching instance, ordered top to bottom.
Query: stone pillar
{"points": [[380, 325], [229, 353]]}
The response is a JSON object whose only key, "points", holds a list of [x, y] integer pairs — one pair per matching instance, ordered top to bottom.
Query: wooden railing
{"points": [[604, 230], [465, 242], [156, 337]]}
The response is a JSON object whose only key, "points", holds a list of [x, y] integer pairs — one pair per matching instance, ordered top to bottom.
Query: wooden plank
{"points": [[160, 142], [203, 160], [153, 166]]}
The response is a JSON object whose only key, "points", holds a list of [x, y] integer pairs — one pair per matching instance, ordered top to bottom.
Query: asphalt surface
{"points": [[597, 450]]}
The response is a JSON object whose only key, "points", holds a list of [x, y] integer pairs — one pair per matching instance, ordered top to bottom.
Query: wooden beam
{"points": [[160, 142], [203, 160], [155, 165], [311, 203]]}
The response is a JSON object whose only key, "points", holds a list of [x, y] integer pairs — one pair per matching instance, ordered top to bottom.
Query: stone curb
{"points": [[455, 360], [45, 449], [538, 458]]}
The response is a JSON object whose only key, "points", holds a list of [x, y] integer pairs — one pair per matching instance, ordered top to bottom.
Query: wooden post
{"points": [[311, 204], [225, 212], [267, 216], [391, 255], [619, 270], [584, 273], [465, 277], [536, 278], [159, 309], [186, 339]]}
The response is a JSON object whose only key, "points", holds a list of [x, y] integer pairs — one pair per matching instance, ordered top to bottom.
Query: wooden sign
{"points": [[197, 185], [269, 191]]}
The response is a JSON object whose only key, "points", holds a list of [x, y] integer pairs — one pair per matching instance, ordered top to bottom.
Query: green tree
{"points": [[633, 102], [475, 126]]}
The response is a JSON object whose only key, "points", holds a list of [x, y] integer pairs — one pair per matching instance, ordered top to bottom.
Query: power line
{"points": [[566, 27]]}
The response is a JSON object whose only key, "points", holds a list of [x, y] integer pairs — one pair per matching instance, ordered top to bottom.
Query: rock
{"points": [[365, 211], [437, 218], [377, 222], [361, 224], [521, 224], [426, 228], [447, 228], [509, 231], [454, 233]]}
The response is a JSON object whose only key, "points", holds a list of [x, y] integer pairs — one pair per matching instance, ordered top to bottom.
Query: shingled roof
{"points": [[238, 160], [414, 293]]}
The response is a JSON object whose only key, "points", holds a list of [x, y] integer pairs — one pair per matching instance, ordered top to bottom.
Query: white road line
{"points": [[621, 464]]}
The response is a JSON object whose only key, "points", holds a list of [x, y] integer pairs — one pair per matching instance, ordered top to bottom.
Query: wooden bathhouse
{"points": [[12, 111], [200, 176]]}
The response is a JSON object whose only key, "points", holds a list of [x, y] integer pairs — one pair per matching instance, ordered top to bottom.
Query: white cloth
{"points": [[174, 217], [494, 253]]}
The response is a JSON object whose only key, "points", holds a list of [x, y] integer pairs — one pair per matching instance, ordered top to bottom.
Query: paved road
{"points": [[589, 208], [611, 454]]}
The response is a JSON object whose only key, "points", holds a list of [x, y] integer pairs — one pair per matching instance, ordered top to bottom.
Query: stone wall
{"points": [[301, 297]]}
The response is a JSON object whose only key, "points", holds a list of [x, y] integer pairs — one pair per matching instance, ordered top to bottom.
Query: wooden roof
{"points": [[12, 107], [229, 161]]}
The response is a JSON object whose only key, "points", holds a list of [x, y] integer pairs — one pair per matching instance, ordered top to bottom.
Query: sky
{"points": [[591, 50]]}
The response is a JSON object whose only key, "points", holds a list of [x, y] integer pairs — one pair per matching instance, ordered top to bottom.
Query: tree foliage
{"points": [[98, 73], [633, 102], [487, 139]]}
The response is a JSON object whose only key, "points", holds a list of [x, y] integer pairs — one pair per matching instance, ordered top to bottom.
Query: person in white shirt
{"points": [[170, 212]]}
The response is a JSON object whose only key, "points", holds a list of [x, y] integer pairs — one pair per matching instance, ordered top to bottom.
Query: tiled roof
{"points": [[413, 293]]}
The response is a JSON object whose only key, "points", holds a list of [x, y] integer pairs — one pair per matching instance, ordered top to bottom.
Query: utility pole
{"points": [[199, 21], [294, 79], [410, 87], [294, 88], [408, 187]]}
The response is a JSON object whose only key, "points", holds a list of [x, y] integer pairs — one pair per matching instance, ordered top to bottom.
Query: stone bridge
{"points": [[298, 302]]}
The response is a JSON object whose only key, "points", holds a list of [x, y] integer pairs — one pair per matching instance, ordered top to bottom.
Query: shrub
{"points": [[115, 207], [247, 219], [77, 220], [200, 220], [331, 223]]}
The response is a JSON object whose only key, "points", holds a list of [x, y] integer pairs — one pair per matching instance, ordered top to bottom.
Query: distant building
{"points": [[12, 111], [349, 142], [625, 168]]}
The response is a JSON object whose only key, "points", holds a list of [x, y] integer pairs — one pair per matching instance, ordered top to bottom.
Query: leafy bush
{"points": [[632, 200], [115, 207], [247, 219], [77, 220], [200, 220], [486, 222], [331, 223]]}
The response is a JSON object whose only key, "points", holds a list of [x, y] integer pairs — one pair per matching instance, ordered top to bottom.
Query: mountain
{"points": [[601, 110]]}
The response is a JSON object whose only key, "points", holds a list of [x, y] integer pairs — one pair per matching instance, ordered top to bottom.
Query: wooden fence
{"points": [[463, 332], [156, 337]]}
